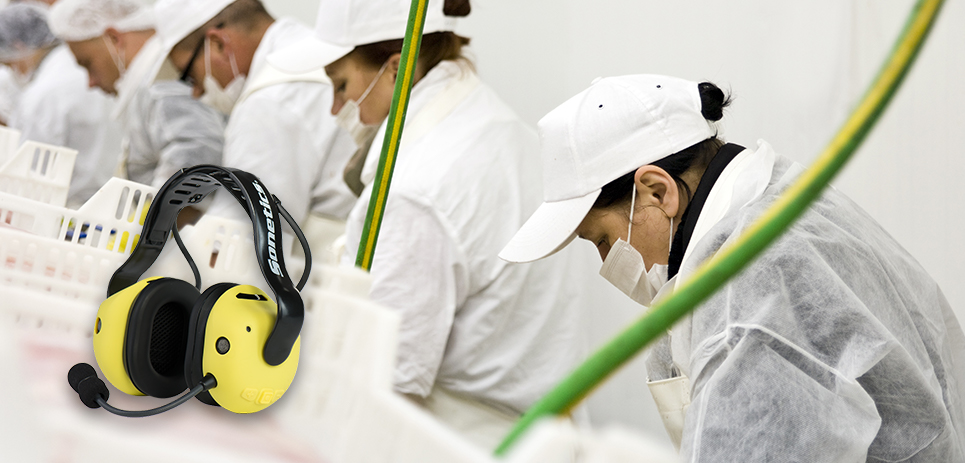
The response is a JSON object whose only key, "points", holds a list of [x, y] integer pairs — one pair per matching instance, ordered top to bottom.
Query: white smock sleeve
{"points": [[418, 270]]}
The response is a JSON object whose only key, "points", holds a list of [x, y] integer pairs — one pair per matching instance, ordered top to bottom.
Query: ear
{"points": [[115, 37], [218, 40], [394, 62], [655, 186]]}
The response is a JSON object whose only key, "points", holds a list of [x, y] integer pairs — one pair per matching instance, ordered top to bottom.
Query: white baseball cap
{"points": [[177, 19], [79, 20], [343, 25], [606, 131]]}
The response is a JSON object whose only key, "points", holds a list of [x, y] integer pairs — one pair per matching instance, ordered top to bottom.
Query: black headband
{"points": [[192, 185]]}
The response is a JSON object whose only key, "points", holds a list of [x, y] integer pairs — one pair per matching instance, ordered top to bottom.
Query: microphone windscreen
{"points": [[78, 373], [90, 389]]}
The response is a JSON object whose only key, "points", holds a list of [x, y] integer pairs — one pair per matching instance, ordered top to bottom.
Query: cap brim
{"points": [[307, 55], [549, 229]]}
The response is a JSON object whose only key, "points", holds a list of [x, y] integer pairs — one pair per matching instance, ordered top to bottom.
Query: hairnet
{"points": [[77, 20], [23, 29]]}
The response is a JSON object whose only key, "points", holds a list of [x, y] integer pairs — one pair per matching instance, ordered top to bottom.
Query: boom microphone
{"points": [[94, 393]]}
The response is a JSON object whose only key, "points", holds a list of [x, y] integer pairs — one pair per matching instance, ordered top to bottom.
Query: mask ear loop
{"points": [[115, 55], [207, 59], [231, 59], [372, 84], [633, 204], [670, 243]]}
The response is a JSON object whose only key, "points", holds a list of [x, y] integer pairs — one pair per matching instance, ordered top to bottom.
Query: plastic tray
{"points": [[38, 171], [111, 219], [52, 266]]}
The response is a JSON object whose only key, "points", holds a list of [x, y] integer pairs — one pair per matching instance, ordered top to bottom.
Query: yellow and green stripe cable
{"points": [[393, 133], [714, 273]]}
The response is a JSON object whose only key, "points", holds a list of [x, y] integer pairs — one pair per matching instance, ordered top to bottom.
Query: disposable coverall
{"points": [[834, 346]]}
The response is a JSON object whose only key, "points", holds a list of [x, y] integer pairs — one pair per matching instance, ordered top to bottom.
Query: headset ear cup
{"points": [[156, 336], [193, 363]]}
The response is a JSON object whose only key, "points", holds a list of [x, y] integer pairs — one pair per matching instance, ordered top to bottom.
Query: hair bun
{"points": [[457, 8], [712, 101]]}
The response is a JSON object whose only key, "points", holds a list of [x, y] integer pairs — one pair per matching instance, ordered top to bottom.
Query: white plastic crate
{"points": [[40, 172], [111, 219], [50, 266]]}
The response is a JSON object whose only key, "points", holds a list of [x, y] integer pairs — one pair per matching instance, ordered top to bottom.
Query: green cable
{"points": [[393, 134], [713, 274]]}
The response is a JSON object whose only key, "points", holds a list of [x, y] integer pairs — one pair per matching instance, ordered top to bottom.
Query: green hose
{"points": [[393, 133], [713, 274]]}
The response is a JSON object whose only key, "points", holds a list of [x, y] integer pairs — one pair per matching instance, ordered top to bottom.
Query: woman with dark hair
{"points": [[480, 340], [834, 345]]}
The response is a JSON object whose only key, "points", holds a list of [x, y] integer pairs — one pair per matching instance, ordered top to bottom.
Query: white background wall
{"points": [[795, 69]]}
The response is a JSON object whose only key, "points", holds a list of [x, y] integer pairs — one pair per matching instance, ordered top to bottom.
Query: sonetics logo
{"points": [[270, 224]]}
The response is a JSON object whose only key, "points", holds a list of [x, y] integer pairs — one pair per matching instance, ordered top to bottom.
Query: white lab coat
{"points": [[9, 93], [58, 108], [165, 128], [285, 135], [476, 326], [834, 345]]}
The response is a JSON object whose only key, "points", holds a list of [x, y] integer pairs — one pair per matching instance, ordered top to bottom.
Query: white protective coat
{"points": [[9, 93], [58, 108], [165, 128], [168, 130], [285, 135], [486, 330], [834, 346]]}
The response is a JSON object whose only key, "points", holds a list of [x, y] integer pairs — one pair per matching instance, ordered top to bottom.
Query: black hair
{"points": [[456, 8], [713, 100]]}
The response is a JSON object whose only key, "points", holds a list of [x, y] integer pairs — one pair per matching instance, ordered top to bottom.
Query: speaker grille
{"points": [[168, 340]]}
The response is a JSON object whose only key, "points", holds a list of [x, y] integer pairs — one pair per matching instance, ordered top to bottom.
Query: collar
{"points": [[280, 34], [135, 78], [430, 94], [688, 221]]}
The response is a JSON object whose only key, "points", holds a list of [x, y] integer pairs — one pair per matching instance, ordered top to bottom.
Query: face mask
{"points": [[221, 99], [350, 119], [624, 267]]}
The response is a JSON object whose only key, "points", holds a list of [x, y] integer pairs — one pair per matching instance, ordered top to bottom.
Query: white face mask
{"points": [[221, 99], [350, 118], [624, 267]]}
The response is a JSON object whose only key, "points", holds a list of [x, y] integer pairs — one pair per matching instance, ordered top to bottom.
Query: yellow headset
{"points": [[231, 345]]}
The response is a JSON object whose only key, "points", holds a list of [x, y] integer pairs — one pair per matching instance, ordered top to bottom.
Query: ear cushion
{"points": [[156, 336], [193, 367]]}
